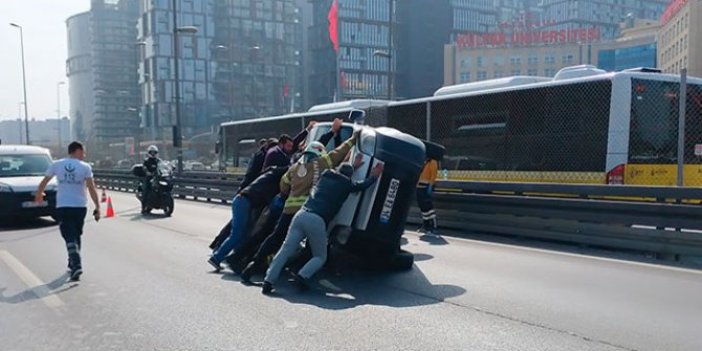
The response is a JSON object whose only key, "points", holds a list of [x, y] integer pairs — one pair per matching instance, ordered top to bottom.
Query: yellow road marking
{"points": [[38, 287]]}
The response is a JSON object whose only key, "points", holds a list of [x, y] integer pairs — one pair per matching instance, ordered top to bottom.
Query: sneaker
{"points": [[214, 264], [247, 273], [75, 274], [301, 283], [267, 288]]}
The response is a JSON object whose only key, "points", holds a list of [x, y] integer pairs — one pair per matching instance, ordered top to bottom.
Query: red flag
{"points": [[333, 24], [286, 90]]}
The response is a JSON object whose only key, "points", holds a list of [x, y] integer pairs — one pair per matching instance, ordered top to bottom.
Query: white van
{"points": [[21, 169]]}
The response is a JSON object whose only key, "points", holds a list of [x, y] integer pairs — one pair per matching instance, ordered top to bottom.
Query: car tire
{"points": [[403, 261]]}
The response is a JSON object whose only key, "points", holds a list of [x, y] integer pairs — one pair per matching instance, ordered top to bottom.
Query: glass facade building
{"points": [[605, 15], [364, 30], [627, 57], [243, 62], [101, 68]]}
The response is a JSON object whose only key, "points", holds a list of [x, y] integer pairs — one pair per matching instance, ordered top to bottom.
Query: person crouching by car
{"points": [[296, 184], [259, 194], [311, 221]]}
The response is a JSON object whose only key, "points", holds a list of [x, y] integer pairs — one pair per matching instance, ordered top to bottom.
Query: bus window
{"points": [[653, 132]]}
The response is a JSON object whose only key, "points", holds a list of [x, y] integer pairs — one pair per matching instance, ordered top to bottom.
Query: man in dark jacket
{"points": [[280, 154], [256, 165], [261, 193], [324, 202], [245, 253]]}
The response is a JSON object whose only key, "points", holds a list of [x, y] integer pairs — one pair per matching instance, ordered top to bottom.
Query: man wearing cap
{"points": [[312, 219]]}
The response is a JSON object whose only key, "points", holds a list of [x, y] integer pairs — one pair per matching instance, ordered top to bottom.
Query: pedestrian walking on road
{"points": [[74, 177], [311, 221]]}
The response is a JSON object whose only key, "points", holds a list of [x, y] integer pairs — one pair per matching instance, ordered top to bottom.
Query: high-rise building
{"points": [[606, 15], [679, 43], [635, 47], [365, 57], [243, 60], [101, 69], [79, 70]]}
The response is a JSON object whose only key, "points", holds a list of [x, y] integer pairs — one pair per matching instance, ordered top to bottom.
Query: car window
{"points": [[23, 165]]}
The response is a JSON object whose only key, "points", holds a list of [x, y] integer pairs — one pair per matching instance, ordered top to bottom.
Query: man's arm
{"points": [[332, 133], [300, 137], [339, 154], [92, 189], [39, 197]]}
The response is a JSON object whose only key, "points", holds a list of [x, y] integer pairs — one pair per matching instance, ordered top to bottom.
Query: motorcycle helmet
{"points": [[152, 151]]}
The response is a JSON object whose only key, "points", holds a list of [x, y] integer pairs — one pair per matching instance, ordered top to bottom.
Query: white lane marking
{"points": [[570, 254], [38, 287]]}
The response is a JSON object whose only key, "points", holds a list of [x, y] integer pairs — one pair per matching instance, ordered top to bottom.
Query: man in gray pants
{"points": [[324, 202]]}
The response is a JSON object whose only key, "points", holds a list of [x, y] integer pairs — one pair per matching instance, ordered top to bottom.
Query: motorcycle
{"points": [[160, 195]]}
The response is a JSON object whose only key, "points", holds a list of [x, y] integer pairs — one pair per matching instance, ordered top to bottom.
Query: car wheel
{"points": [[402, 261]]}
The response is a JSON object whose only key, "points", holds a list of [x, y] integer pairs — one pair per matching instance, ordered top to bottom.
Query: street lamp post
{"points": [[24, 83], [58, 111], [19, 121], [178, 133]]}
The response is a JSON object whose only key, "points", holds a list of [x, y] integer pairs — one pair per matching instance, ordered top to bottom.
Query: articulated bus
{"points": [[583, 126], [238, 140]]}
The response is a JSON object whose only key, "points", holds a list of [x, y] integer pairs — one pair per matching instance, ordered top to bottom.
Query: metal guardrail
{"points": [[660, 220]]}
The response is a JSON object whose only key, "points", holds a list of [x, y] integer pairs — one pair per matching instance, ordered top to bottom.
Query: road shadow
{"points": [[138, 216], [16, 224], [434, 240], [349, 282], [54, 287]]}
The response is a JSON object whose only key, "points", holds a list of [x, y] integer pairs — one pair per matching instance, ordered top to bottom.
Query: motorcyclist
{"points": [[150, 167]]}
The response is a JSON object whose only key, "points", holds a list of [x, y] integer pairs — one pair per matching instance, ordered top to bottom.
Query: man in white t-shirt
{"points": [[75, 178]]}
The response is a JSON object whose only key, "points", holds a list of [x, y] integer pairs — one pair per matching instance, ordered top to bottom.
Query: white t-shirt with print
{"points": [[71, 175]]}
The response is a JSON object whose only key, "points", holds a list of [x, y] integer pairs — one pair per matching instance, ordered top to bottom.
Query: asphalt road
{"points": [[147, 287]]}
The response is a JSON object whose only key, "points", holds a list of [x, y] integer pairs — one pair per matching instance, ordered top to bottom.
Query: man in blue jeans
{"points": [[74, 177], [259, 194], [311, 221]]}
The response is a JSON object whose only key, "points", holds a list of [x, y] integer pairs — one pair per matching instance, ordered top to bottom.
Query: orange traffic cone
{"points": [[104, 196], [110, 211]]}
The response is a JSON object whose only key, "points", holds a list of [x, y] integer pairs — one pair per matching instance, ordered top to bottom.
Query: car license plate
{"points": [[389, 201], [32, 204]]}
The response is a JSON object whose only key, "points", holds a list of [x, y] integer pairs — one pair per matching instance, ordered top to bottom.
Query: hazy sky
{"points": [[44, 23]]}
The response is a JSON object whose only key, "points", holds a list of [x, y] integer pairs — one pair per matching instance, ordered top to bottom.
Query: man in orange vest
{"points": [[425, 187]]}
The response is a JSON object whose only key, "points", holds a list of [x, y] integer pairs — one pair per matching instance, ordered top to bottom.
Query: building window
{"points": [[550, 59], [567, 59], [515, 60], [533, 60], [480, 61], [465, 62], [516, 72], [532, 72], [549, 72], [498, 74], [482, 75], [465, 77]]}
